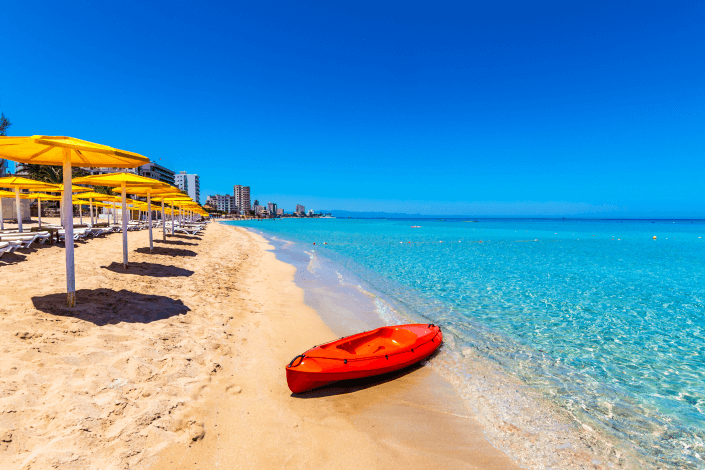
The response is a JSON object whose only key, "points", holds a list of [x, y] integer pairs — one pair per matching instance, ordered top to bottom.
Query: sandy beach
{"points": [[178, 362]]}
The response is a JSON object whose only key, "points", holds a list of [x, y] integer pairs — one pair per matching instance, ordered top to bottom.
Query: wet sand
{"points": [[178, 362]]}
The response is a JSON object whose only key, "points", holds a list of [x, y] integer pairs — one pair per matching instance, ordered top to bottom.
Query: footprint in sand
{"points": [[233, 389]]}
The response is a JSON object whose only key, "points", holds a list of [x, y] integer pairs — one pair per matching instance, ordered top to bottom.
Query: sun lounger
{"points": [[24, 240]]}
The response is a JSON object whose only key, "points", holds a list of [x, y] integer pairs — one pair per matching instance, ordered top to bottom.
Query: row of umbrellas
{"points": [[69, 152]]}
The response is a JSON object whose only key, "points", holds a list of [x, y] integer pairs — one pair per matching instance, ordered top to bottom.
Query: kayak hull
{"points": [[367, 354]]}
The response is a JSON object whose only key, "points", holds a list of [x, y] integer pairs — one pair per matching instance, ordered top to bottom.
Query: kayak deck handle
{"points": [[294, 359]]}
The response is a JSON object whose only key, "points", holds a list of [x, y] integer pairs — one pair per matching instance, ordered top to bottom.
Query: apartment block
{"points": [[190, 184], [242, 198], [222, 202], [300, 209]]}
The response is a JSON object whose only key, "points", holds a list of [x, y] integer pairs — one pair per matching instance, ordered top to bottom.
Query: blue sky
{"points": [[471, 108]]}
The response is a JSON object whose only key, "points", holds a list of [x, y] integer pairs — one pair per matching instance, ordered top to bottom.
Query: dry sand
{"points": [[178, 362]]}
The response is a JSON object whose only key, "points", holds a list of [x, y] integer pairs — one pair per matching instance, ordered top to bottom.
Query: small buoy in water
{"points": [[654, 237], [314, 243], [325, 243]]}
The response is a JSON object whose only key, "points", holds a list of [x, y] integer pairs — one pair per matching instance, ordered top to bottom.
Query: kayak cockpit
{"points": [[379, 341]]}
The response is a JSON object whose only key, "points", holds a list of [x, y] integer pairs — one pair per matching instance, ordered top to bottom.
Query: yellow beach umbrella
{"points": [[67, 151], [122, 180], [17, 183], [75, 189], [149, 191], [162, 192], [90, 195], [41, 197], [180, 198]]}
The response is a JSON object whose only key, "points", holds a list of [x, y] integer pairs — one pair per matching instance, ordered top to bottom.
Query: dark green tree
{"points": [[4, 124]]}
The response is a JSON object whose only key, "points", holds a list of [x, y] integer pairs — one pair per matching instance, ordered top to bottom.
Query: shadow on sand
{"points": [[185, 237], [175, 242], [166, 251], [12, 258], [149, 269], [109, 307], [355, 385]]}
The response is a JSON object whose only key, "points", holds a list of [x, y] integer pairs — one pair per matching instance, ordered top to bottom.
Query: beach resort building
{"points": [[158, 172], [190, 184], [242, 198], [222, 202], [272, 208], [300, 209], [280, 212]]}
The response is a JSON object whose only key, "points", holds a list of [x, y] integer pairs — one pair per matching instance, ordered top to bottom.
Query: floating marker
{"points": [[654, 237]]}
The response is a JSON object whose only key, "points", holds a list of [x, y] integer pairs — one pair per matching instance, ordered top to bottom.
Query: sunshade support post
{"points": [[123, 188], [19, 209], [39, 211], [80, 214], [2, 217], [172, 218], [149, 219], [163, 221], [68, 231]]}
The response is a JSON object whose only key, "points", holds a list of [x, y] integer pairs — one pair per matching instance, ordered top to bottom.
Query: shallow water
{"points": [[599, 317]]}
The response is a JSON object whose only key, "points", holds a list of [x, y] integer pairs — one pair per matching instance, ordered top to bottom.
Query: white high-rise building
{"points": [[189, 183], [242, 198], [222, 202]]}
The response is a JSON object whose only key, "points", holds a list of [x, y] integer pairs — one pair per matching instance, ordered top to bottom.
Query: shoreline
{"points": [[414, 420], [523, 424]]}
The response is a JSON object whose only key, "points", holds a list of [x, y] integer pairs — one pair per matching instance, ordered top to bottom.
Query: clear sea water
{"points": [[596, 315]]}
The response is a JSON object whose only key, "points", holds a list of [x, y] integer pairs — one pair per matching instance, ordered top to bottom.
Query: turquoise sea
{"points": [[595, 315]]}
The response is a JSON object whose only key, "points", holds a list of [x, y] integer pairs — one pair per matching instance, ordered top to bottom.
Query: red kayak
{"points": [[365, 354]]}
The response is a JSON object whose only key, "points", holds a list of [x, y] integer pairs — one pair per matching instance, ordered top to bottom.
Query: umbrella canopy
{"points": [[67, 151], [123, 180], [17, 183], [25, 183], [74, 188], [139, 189], [94, 195]]}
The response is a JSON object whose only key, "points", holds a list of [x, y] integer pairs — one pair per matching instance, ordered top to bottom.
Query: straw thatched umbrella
{"points": [[67, 151]]}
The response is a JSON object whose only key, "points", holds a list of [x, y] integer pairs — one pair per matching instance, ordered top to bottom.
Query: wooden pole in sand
{"points": [[19, 209], [2, 217], [172, 217], [149, 218], [163, 222], [124, 224], [68, 231]]}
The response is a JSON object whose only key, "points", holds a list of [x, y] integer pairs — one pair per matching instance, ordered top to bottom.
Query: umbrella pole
{"points": [[90, 204], [19, 209], [39, 211], [114, 213], [80, 214], [2, 217], [172, 218], [149, 219], [163, 221], [124, 225], [68, 231]]}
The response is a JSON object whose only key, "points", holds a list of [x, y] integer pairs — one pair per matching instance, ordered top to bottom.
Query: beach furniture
{"points": [[66, 151], [17, 183], [4, 247], [365, 354]]}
